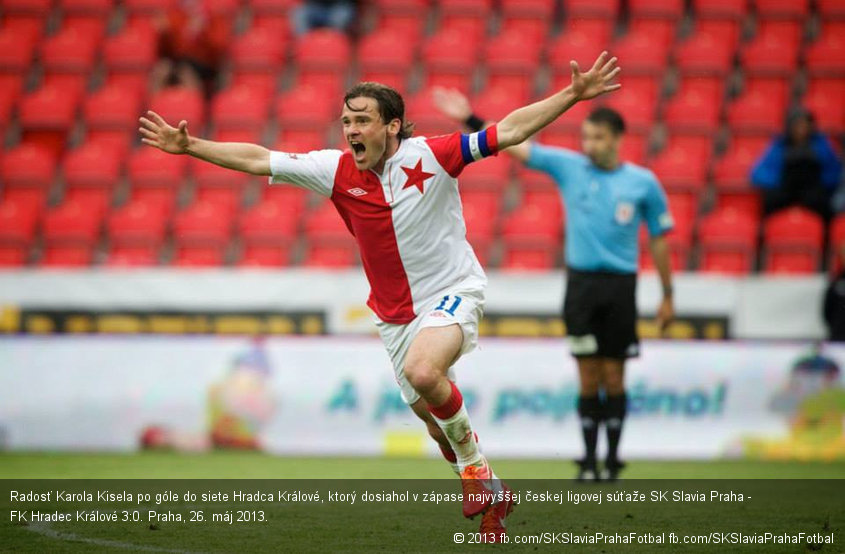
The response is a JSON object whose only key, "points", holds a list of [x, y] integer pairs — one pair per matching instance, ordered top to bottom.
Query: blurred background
{"points": [[112, 252]]}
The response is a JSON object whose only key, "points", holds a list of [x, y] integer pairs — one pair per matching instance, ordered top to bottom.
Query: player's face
{"points": [[365, 132], [600, 144]]}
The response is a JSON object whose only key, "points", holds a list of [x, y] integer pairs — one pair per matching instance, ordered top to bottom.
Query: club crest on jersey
{"points": [[416, 176], [357, 191], [624, 213]]}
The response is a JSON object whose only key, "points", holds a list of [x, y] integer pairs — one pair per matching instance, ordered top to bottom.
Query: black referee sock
{"points": [[615, 408], [589, 410]]}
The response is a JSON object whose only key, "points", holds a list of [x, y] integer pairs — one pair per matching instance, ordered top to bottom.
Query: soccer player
{"points": [[398, 196], [605, 199]]}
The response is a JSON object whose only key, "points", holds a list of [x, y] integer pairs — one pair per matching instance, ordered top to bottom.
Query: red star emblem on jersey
{"points": [[416, 176]]}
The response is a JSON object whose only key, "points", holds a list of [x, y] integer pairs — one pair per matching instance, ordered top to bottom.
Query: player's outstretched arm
{"points": [[453, 104], [520, 124], [249, 158]]}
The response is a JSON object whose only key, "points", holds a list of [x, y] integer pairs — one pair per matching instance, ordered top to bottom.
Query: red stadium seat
{"points": [[27, 6], [280, 7], [101, 8], [606, 9], [667, 9], [720, 9], [782, 9], [831, 9], [92, 26], [600, 29], [660, 31], [576, 44], [17, 49], [260, 49], [323, 49], [450, 50], [710, 50], [71, 51], [774, 51], [132, 52], [644, 53], [386, 56], [826, 56], [513, 57], [824, 99], [495, 102], [177, 103], [639, 103], [240, 107], [306, 107], [695, 108], [760, 108], [420, 109], [47, 115], [111, 116], [563, 138], [303, 140], [633, 148], [683, 163], [28, 165], [93, 165], [151, 168], [732, 170], [91, 174], [491, 174], [219, 186], [290, 198], [747, 201], [481, 214], [18, 222], [137, 223], [324, 223], [533, 224], [267, 231], [70, 233], [136, 233], [201, 233], [793, 240], [329, 242], [727, 242], [529, 258]]}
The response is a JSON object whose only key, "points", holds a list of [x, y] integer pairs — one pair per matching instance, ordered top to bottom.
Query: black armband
{"points": [[474, 123]]}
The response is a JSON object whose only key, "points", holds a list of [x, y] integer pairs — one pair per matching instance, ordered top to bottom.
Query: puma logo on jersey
{"points": [[357, 191]]}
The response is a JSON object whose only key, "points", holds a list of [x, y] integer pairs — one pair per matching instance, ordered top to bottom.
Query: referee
{"points": [[606, 200]]}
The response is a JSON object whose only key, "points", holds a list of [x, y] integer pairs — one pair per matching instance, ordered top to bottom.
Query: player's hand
{"points": [[596, 81], [452, 103], [156, 132], [665, 314]]}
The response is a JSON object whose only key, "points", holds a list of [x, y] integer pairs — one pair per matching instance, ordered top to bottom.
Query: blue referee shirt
{"points": [[603, 208]]}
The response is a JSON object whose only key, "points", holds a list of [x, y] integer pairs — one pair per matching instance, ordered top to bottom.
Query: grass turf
{"points": [[813, 505]]}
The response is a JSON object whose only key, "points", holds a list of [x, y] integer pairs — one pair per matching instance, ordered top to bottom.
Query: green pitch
{"points": [[234, 465], [783, 498]]}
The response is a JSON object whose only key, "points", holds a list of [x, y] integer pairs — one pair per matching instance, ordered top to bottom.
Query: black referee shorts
{"points": [[600, 312]]}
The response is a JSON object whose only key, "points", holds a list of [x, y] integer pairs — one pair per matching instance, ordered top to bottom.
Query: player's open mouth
{"points": [[357, 147]]}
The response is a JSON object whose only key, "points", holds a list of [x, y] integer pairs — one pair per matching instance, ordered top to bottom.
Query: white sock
{"points": [[459, 432]]}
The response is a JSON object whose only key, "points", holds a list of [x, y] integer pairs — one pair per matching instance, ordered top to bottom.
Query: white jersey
{"points": [[408, 221]]}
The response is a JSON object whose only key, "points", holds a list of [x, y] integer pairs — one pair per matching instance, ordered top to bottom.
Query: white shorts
{"points": [[463, 308]]}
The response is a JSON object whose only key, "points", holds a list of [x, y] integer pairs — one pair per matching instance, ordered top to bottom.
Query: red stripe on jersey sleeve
{"points": [[447, 150]]}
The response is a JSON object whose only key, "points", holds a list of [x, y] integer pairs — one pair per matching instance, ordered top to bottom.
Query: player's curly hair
{"points": [[390, 104]]}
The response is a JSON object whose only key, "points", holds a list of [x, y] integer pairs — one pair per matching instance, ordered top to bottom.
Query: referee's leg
{"points": [[615, 408], [589, 411]]}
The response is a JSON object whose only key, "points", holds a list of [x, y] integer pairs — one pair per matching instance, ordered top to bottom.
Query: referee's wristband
{"points": [[474, 123]]}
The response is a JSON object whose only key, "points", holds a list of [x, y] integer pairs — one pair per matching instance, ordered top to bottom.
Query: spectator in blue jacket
{"points": [[798, 168]]}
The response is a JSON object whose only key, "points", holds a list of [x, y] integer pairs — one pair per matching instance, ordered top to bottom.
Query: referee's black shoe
{"points": [[611, 470], [587, 471]]}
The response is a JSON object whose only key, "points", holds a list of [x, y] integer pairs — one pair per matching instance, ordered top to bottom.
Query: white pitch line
{"points": [[44, 529]]}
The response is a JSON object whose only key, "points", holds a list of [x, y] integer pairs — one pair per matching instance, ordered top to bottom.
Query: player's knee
{"points": [[422, 376]]}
